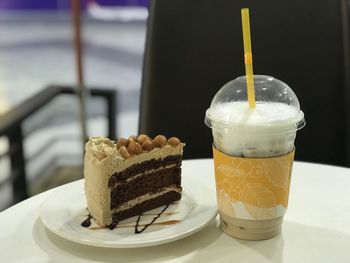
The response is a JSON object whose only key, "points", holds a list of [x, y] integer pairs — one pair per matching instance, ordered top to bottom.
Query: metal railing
{"points": [[11, 127]]}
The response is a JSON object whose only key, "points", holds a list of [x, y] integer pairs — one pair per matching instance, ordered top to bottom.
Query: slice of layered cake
{"points": [[131, 176]]}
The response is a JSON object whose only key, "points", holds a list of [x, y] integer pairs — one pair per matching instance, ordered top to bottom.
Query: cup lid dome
{"points": [[268, 90]]}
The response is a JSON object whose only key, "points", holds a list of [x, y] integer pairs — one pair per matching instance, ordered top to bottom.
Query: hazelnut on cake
{"points": [[128, 177]]}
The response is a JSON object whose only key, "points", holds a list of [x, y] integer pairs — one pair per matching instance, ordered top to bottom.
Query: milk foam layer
{"points": [[264, 113], [266, 131]]}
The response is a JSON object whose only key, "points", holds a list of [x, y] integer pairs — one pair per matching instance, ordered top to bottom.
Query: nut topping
{"points": [[142, 137], [132, 138], [160, 141], [174, 141], [122, 142], [135, 145], [147, 145], [134, 148], [124, 152]]}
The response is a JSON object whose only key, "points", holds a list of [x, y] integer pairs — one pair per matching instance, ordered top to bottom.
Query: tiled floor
{"points": [[35, 51]]}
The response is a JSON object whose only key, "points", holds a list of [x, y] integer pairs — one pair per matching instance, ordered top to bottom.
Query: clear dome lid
{"points": [[276, 103]]}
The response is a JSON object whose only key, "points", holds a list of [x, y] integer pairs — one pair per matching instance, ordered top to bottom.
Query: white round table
{"points": [[316, 229]]}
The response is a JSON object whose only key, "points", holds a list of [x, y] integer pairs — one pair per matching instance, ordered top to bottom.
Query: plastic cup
{"points": [[253, 155]]}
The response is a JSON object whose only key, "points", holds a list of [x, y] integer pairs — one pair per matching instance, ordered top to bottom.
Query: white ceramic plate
{"points": [[65, 210]]}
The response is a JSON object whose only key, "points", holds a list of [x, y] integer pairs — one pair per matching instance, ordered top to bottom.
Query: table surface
{"points": [[316, 229]]}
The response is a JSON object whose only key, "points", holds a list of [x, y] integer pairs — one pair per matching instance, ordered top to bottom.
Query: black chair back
{"points": [[193, 47]]}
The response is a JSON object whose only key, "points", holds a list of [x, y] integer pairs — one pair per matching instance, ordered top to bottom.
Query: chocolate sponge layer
{"points": [[144, 166], [149, 183], [150, 204]]}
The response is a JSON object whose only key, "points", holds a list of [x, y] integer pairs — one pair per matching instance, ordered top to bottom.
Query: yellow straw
{"points": [[248, 58]]}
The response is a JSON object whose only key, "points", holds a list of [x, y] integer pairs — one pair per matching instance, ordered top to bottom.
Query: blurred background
{"points": [[37, 51], [138, 83]]}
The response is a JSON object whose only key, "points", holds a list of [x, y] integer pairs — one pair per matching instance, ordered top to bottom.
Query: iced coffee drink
{"points": [[253, 155]]}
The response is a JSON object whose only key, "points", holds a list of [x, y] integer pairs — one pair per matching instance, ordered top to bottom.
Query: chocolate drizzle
{"points": [[87, 221], [113, 225], [147, 225]]}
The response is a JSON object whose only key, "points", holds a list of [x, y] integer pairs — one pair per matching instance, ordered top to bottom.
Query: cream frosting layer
{"points": [[103, 150], [102, 159], [145, 173], [143, 198]]}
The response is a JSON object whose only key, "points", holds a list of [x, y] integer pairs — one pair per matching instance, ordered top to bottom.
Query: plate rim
{"points": [[110, 244]]}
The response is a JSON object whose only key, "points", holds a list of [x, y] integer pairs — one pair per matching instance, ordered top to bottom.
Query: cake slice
{"points": [[131, 176]]}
